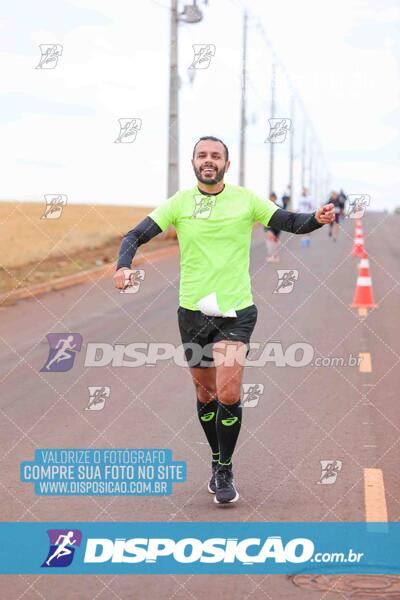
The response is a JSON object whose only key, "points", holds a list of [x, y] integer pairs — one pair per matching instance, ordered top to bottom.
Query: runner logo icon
{"points": [[50, 53], [203, 54], [128, 129], [278, 130], [357, 205], [54, 206], [203, 207], [133, 279], [286, 280], [62, 351], [251, 394], [97, 397], [329, 471], [62, 547]]}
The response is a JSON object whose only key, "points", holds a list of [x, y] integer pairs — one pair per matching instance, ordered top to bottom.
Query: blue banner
{"points": [[199, 548]]}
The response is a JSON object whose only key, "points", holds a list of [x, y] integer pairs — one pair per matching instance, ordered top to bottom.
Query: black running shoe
{"points": [[211, 485], [225, 492]]}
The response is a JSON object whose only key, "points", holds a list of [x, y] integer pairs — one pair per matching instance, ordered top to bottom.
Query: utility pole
{"points": [[190, 14], [173, 123], [271, 144], [242, 149], [291, 150], [303, 156], [310, 165], [316, 176], [325, 186]]}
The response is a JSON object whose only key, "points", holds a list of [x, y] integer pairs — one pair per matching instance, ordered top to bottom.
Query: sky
{"points": [[58, 126]]}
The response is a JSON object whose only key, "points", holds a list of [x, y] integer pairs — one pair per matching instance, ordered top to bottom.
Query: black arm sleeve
{"points": [[293, 222], [142, 233]]}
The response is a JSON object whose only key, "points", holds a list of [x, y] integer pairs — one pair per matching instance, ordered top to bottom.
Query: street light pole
{"points": [[190, 14], [173, 122], [271, 144], [242, 149], [291, 150], [303, 156], [310, 165]]}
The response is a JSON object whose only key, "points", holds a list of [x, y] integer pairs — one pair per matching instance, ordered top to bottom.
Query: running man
{"points": [[287, 195], [306, 201], [342, 203], [306, 204], [338, 209], [214, 222], [273, 234], [62, 549]]}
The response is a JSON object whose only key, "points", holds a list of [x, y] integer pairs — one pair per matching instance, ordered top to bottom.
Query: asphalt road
{"points": [[303, 416]]}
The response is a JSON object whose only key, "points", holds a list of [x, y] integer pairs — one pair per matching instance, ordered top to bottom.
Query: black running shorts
{"points": [[199, 332]]}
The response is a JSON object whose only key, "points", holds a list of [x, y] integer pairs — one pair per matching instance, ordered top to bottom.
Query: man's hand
{"points": [[325, 214], [119, 278]]}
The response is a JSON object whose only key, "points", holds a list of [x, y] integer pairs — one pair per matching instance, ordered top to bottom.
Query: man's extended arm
{"points": [[293, 222], [142, 233]]}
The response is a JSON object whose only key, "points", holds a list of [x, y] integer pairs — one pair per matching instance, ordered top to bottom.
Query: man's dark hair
{"points": [[214, 139]]}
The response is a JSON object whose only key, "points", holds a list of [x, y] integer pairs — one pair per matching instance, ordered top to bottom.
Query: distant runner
{"points": [[287, 195], [342, 200], [306, 204], [338, 209], [214, 223]]}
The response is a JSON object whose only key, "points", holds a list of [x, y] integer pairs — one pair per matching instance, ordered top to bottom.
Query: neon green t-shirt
{"points": [[214, 234]]}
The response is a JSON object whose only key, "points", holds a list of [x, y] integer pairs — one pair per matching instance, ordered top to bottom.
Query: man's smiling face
{"points": [[209, 162]]}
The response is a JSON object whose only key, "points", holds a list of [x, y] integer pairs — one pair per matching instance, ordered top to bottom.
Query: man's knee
{"points": [[205, 393], [229, 394]]}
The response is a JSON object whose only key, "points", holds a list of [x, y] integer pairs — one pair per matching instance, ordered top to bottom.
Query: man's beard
{"points": [[219, 175]]}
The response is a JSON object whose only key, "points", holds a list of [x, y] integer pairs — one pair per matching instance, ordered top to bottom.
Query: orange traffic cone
{"points": [[358, 245], [363, 267], [363, 297]]}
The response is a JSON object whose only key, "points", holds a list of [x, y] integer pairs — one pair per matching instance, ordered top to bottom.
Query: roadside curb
{"points": [[67, 281]]}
